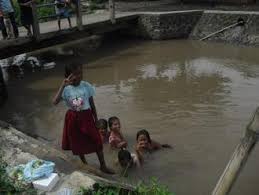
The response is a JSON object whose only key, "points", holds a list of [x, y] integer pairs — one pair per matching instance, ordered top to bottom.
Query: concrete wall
{"points": [[221, 1], [212, 21], [199, 24], [168, 25]]}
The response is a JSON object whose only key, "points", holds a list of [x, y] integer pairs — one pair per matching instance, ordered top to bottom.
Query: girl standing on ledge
{"points": [[80, 133]]}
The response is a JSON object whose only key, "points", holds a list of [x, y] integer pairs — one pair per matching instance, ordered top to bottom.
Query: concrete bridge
{"points": [[48, 35]]}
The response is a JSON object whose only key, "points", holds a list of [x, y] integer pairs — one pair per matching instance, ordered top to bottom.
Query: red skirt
{"points": [[80, 133]]}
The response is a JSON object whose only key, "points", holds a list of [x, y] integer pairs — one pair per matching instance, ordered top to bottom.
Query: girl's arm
{"points": [[65, 82], [92, 105], [115, 143], [122, 144], [156, 146], [139, 155], [136, 160]]}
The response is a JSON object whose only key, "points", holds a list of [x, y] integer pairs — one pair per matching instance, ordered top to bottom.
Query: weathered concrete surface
{"points": [[212, 21], [167, 25], [14, 144], [79, 179]]}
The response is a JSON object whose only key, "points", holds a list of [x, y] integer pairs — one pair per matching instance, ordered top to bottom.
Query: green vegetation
{"points": [[42, 12], [10, 186], [153, 188]]}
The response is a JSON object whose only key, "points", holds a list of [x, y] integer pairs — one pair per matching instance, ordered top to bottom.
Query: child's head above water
{"points": [[75, 71], [114, 123], [102, 125], [143, 135], [125, 158]]}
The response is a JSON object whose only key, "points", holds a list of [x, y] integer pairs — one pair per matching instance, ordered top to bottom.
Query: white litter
{"points": [[19, 60], [33, 61], [49, 65], [47, 183]]}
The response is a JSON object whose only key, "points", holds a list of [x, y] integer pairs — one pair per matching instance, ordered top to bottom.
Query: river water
{"points": [[195, 96]]}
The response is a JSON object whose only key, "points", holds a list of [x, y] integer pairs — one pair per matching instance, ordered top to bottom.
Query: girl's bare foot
{"points": [[82, 157], [106, 170]]}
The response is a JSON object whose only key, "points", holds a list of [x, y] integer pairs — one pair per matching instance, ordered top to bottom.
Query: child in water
{"points": [[102, 126], [80, 133], [116, 139], [146, 145], [127, 159]]}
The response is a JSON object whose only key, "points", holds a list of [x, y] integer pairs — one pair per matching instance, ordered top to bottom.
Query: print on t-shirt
{"points": [[77, 103]]}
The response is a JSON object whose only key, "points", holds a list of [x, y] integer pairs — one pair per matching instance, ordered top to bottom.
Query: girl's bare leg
{"points": [[69, 22], [59, 25], [82, 157], [103, 166]]}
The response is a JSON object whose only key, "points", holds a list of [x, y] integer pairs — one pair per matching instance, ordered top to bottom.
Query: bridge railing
{"points": [[78, 12], [36, 26]]}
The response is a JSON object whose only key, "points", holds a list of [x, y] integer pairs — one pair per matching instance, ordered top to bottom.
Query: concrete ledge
{"points": [[169, 12], [231, 12], [15, 142], [17, 148]]}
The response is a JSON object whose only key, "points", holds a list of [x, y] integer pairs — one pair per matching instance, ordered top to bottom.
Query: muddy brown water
{"points": [[195, 96]]}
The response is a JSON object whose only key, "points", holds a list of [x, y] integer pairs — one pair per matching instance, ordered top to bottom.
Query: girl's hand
{"points": [[68, 80], [122, 144], [141, 146], [166, 146]]}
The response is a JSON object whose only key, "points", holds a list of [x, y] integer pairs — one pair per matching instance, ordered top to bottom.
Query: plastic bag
{"points": [[36, 169]]}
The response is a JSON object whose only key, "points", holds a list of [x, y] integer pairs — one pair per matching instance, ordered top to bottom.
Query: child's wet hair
{"points": [[72, 67], [111, 120], [102, 124], [143, 132], [124, 157]]}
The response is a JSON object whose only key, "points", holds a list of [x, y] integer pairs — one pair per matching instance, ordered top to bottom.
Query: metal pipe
{"points": [[46, 5], [112, 11], [239, 22]]}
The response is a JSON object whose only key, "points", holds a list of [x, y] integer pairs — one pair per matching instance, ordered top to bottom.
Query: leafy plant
{"points": [[10, 186], [153, 188]]}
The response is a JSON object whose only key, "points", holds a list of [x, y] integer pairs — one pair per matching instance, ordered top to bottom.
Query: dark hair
{"points": [[70, 68], [111, 120], [102, 124], [143, 132], [124, 156]]}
